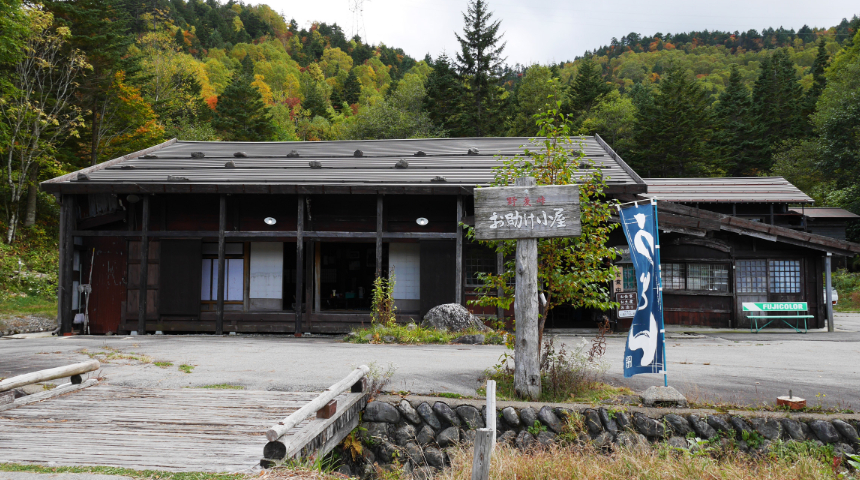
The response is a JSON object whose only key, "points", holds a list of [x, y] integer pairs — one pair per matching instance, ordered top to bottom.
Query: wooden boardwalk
{"points": [[179, 430]]}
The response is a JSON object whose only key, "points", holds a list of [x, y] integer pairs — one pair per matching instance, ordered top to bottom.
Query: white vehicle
{"points": [[832, 292]]}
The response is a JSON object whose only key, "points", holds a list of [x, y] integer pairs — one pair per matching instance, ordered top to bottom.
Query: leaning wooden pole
{"points": [[526, 362], [49, 374], [277, 431]]}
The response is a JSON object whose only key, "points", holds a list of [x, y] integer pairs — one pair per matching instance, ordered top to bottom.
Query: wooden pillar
{"points": [[300, 227], [378, 235], [222, 249], [67, 258], [144, 267], [500, 269], [317, 273], [309, 279], [458, 283], [828, 293], [526, 351]]}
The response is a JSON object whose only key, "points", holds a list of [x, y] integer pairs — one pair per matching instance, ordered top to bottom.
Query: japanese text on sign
{"points": [[527, 212], [528, 220]]}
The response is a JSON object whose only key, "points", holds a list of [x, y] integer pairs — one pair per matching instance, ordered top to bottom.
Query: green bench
{"points": [[794, 309]]}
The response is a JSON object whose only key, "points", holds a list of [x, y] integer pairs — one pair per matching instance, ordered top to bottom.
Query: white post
{"points": [[828, 293], [491, 411], [483, 453]]}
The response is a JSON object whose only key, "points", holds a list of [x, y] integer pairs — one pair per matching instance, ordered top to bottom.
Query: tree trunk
{"points": [[32, 195], [13, 222]]}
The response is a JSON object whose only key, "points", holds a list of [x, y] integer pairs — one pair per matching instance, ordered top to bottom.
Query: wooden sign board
{"points": [[510, 213], [627, 304]]}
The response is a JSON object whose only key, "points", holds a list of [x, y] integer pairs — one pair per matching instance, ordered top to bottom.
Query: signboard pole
{"points": [[526, 362]]}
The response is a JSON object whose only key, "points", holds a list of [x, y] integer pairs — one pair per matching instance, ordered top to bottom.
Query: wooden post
{"points": [[300, 227], [378, 235], [222, 248], [67, 258], [144, 267], [500, 269], [317, 273], [309, 279], [458, 282], [828, 297], [527, 364], [491, 410], [483, 454]]}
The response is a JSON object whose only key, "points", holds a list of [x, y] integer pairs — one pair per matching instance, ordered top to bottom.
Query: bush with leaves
{"points": [[382, 309]]}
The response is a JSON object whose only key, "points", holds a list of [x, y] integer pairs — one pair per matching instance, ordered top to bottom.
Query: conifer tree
{"points": [[480, 61], [819, 81], [588, 87], [351, 88], [442, 101], [777, 103], [240, 114], [672, 131], [731, 141]]}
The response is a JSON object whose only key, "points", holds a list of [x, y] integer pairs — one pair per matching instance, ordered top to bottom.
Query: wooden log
{"points": [[222, 246], [526, 351], [49, 374], [54, 392], [311, 408], [491, 410], [483, 454]]}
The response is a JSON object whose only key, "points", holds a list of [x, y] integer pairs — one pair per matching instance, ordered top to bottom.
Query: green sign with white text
{"points": [[774, 306]]}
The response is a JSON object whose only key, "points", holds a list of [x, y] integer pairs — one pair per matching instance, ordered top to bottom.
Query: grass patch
{"points": [[847, 284], [18, 305], [414, 336], [109, 354], [163, 364], [186, 368], [223, 386], [594, 392], [449, 395], [658, 464], [136, 474]]}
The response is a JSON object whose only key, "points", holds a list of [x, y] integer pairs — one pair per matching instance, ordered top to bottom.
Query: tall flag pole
{"points": [[645, 351]]}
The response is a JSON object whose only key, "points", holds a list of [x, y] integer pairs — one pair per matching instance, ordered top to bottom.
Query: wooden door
{"points": [[438, 271], [179, 281], [108, 282]]}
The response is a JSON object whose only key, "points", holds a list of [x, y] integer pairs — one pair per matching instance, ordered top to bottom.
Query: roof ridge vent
{"points": [[473, 151], [419, 153], [197, 154], [293, 154], [358, 154], [240, 155], [149, 156], [230, 164], [315, 164], [401, 164], [126, 167], [82, 177], [176, 178], [438, 179]]}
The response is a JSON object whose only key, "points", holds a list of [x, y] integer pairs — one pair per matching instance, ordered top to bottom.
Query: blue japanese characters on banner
{"points": [[645, 350]]}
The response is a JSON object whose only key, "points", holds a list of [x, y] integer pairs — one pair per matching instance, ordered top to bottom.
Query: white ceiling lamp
{"points": [[270, 221], [422, 221]]}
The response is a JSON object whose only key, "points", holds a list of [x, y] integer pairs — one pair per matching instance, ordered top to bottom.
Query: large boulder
{"points": [[452, 317]]}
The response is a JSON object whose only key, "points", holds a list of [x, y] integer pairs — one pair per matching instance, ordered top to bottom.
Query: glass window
{"points": [[478, 260], [629, 274], [674, 276], [708, 276], [752, 276], [784, 276], [234, 281]]}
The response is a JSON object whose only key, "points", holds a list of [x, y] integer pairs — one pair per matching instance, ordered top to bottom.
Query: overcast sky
{"points": [[545, 31]]}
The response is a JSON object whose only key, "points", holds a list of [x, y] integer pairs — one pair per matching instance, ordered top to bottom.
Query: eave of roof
{"points": [[725, 190]]}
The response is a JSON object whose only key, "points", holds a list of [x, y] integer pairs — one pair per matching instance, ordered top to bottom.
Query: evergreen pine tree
{"points": [[179, 38], [479, 61], [819, 81], [588, 87], [351, 89], [442, 101], [777, 103], [240, 114], [672, 131], [731, 140]]}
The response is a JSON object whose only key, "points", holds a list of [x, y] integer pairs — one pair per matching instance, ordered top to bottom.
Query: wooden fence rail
{"points": [[73, 371]]}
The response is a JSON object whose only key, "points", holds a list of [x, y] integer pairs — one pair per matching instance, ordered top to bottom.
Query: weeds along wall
{"points": [[416, 434]]}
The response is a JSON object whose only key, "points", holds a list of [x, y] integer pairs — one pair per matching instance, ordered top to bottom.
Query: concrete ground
{"points": [[729, 366]]}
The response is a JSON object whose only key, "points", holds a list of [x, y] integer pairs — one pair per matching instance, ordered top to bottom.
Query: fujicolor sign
{"points": [[774, 306]]}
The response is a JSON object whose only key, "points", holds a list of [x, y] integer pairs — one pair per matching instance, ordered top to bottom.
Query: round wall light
{"points": [[132, 198], [270, 221], [422, 221]]}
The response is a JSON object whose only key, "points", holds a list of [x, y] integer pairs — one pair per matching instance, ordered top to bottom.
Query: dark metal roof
{"points": [[443, 163], [725, 190], [825, 212]]}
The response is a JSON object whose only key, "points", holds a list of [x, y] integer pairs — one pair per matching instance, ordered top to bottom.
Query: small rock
{"points": [[452, 317], [411, 326], [368, 337], [388, 339], [470, 339], [663, 396], [381, 412], [408, 412], [444, 412], [470, 416], [510, 416], [528, 416], [429, 417], [548, 418], [607, 421], [623, 421], [592, 422], [679, 424], [719, 424], [740, 425], [648, 426], [701, 427], [768, 428], [792, 429], [377, 431], [825, 431], [847, 431], [807, 432], [404, 435], [426, 435], [448, 437], [467, 437], [507, 437], [546, 438], [524, 440], [602, 440], [632, 441], [678, 442], [842, 449], [385, 452], [415, 454], [434, 457], [344, 470], [423, 473]]}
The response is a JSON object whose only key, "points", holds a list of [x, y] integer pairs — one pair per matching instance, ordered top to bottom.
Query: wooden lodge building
{"points": [[301, 228]]}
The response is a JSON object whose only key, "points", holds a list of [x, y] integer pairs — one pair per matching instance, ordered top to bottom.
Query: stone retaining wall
{"points": [[416, 433]]}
